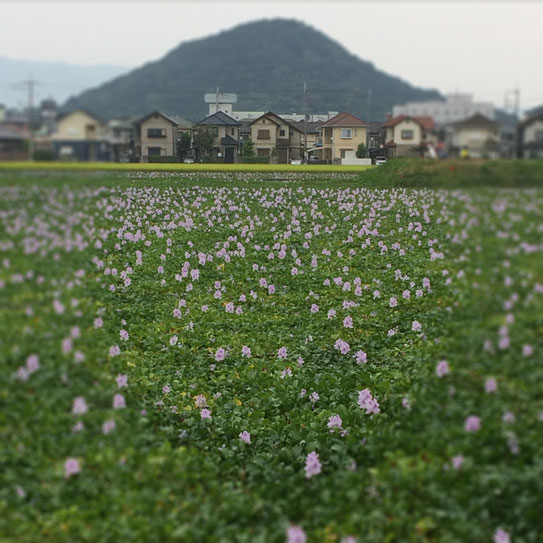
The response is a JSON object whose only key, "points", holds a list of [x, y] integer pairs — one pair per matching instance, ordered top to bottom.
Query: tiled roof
{"points": [[219, 118], [344, 119], [476, 120], [427, 123], [312, 127], [228, 140]]}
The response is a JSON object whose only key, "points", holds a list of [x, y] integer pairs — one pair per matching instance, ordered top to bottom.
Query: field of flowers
{"points": [[188, 359]]}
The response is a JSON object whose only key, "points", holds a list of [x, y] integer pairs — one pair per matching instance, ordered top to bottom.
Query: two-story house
{"points": [[226, 132], [81, 135], [406, 135], [478, 135], [157, 136], [274, 137], [340, 137], [530, 137]]}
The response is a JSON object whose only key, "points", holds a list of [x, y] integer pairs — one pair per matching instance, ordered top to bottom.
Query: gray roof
{"points": [[219, 118], [7, 133], [228, 140]]}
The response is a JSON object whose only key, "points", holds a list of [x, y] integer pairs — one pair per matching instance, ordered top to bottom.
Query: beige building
{"points": [[478, 134], [81, 135], [157, 135], [408, 136], [531, 137], [276, 138], [340, 138]]}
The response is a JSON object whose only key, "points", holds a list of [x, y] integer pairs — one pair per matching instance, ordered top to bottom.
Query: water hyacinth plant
{"points": [[202, 358]]}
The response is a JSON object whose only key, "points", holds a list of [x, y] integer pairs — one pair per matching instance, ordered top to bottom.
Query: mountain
{"points": [[266, 64], [56, 80]]}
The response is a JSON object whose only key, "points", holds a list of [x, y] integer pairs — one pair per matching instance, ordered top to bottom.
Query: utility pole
{"points": [[30, 83], [368, 104], [516, 112], [305, 122]]}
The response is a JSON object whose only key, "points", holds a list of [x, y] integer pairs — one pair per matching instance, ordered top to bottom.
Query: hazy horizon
{"points": [[482, 48]]}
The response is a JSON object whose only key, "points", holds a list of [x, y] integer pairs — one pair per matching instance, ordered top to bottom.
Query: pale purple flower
{"points": [[393, 302], [314, 308], [331, 313], [348, 322], [416, 326], [123, 334], [173, 340], [342, 346], [114, 350], [527, 350], [246, 351], [282, 353], [220, 354], [361, 357], [300, 361], [32, 363], [442, 368], [286, 373], [122, 380], [491, 385], [166, 389], [314, 397], [200, 401], [119, 402], [367, 402], [406, 404], [79, 406], [205, 414], [508, 417], [334, 422], [472, 424], [108, 426], [77, 427], [245, 437], [457, 461], [312, 465], [71, 467], [295, 534], [501, 536]]}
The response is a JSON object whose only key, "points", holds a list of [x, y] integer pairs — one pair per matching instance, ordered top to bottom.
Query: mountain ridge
{"points": [[266, 64]]}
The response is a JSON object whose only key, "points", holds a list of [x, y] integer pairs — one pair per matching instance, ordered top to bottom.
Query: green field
{"points": [[227, 356]]}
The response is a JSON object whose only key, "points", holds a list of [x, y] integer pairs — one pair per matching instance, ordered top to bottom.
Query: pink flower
{"points": [[442, 368], [119, 401], [205, 414], [472, 424], [245, 437], [457, 461], [312, 465], [71, 467], [295, 534]]}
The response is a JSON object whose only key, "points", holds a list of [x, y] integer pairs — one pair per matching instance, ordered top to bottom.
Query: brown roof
{"points": [[344, 119], [278, 120], [426, 123], [312, 127]]}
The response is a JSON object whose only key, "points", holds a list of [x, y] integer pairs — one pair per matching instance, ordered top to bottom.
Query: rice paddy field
{"points": [[272, 356]]}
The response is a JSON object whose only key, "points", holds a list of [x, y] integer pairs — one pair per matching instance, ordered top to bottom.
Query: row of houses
{"points": [[81, 135]]}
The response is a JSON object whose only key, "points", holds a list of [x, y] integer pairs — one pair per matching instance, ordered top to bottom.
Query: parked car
{"points": [[313, 160]]}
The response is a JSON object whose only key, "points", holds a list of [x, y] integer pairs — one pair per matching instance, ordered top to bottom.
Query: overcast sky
{"points": [[485, 48]]}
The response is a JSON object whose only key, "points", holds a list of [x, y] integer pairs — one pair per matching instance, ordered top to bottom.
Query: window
{"points": [[215, 130], [233, 131], [156, 132], [282, 133], [346, 133], [407, 134], [263, 135], [538, 135], [153, 151], [263, 152]]}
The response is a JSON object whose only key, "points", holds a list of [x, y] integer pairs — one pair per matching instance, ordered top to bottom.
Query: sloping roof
{"points": [[156, 112], [65, 114], [219, 118], [274, 118], [344, 119], [531, 119], [476, 120], [182, 122], [426, 123], [312, 127], [7, 133], [228, 140]]}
